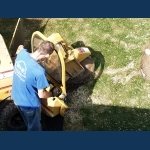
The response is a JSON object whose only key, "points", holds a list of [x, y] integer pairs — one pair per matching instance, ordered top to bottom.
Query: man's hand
{"points": [[44, 94]]}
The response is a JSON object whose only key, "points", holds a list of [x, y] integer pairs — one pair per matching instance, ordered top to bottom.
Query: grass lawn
{"points": [[117, 98]]}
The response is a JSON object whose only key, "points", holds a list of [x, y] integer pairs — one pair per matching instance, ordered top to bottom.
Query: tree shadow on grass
{"points": [[17, 33], [115, 118]]}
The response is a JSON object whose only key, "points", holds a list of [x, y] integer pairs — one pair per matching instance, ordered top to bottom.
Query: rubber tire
{"points": [[84, 77], [3, 104], [10, 113], [10, 116]]}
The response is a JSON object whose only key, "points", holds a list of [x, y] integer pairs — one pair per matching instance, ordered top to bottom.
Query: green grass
{"points": [[117, 98], [126, 101]]}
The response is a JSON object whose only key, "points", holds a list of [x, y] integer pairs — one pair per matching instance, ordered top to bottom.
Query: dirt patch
{"points": [[119, 74]]}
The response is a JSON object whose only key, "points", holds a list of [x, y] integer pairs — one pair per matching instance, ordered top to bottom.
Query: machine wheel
{"points": [[84, 77], [3, 104], [11, 119]]}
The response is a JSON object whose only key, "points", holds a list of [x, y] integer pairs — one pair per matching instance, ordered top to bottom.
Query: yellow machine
{"points": [[62, 65], [66, 68]]}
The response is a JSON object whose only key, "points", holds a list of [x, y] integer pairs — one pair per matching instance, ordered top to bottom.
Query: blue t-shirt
{"points": [[28, 78]]}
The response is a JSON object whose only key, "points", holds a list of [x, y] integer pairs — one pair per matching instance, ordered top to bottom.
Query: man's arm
{"points": [[44, 94]]}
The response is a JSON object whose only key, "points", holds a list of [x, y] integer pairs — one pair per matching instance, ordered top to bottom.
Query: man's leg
{"points": [[23, 116], [33, 118]]}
